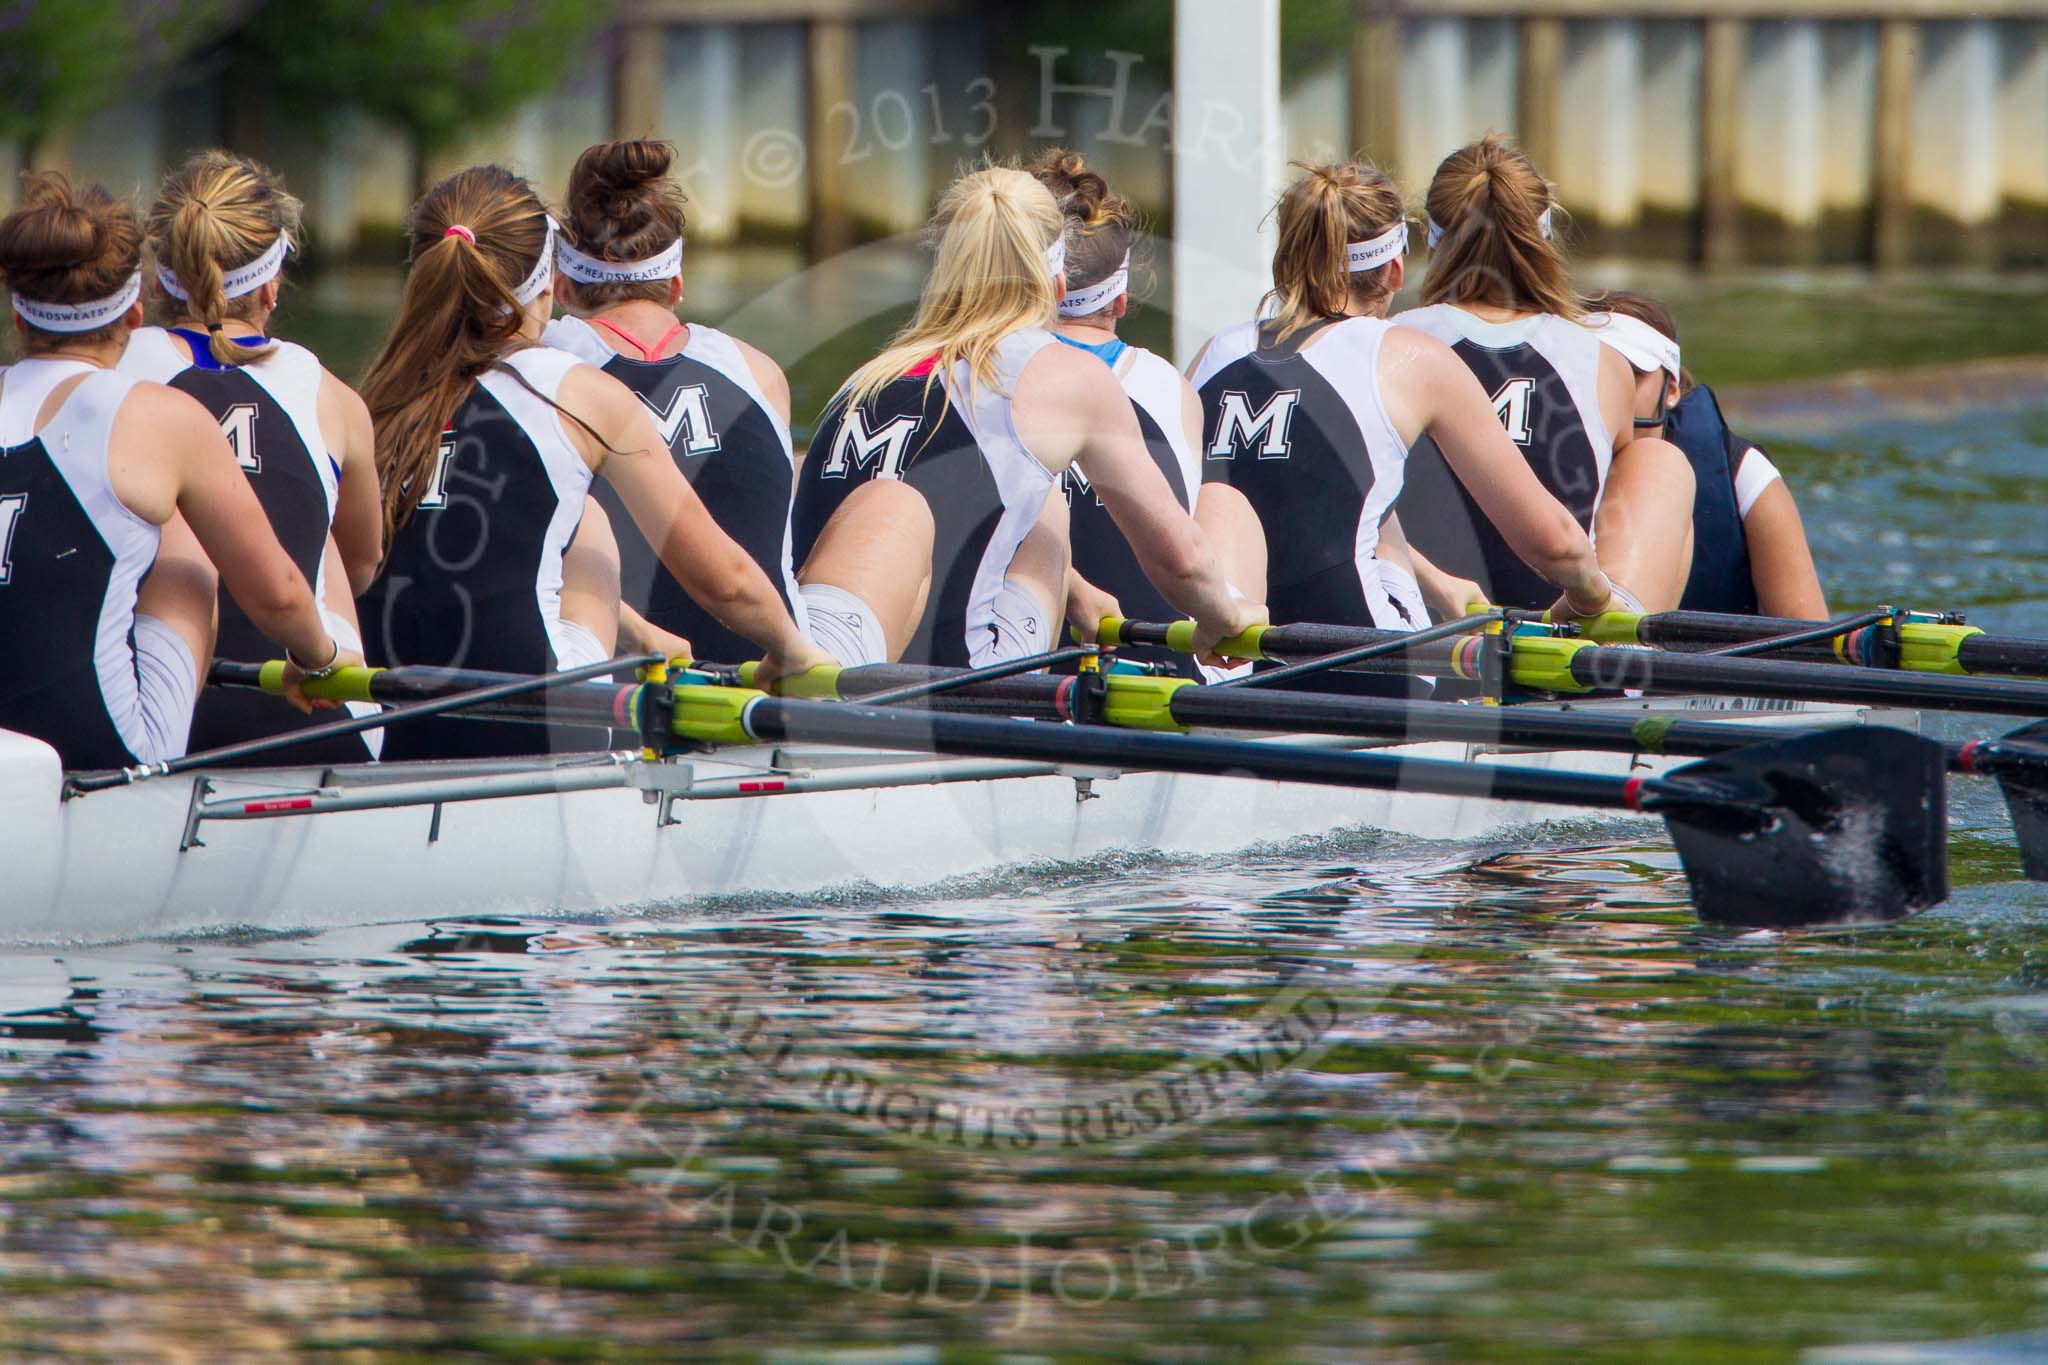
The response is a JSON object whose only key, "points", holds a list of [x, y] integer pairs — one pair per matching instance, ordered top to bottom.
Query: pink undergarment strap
{"points": [[650, 354]]}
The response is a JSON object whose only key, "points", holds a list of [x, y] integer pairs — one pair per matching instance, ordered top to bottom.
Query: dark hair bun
{"points": [[1082, 194], [68, 245]]}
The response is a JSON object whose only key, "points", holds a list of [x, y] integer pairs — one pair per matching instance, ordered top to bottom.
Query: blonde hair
{"points": [[1489, 202], [216, 212], [1319, 216], [989, 279], [457, 318]]}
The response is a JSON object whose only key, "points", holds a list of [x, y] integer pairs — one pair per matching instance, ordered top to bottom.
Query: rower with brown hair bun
{"points": [[1102, 229], [220, 230], [1499, 294], [721, 405], [1310, 411], [487, 442], [118, 499]]}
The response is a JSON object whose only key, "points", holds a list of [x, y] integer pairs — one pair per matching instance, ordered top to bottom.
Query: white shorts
{"points": [[1019, 625], [843, 626], [346, 635], [575, 646], [166, 685]]}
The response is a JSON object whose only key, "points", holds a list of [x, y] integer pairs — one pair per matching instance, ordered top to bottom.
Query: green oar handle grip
{"points": [[1180, 637], [345, 684], [815, 684]]}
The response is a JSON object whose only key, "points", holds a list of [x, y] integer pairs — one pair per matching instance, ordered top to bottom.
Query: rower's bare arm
{"points": [[774, 384], [1617, 390], [1449, 404], [1070, 409], [624, 446], [217, 502], [359, 506], [1226, 517], [1780, 560], [1447, 596], [1087, 605], [638, 635]]}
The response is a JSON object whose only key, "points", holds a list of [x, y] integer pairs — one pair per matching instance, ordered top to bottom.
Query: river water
{"points": [[1544, 1115]]}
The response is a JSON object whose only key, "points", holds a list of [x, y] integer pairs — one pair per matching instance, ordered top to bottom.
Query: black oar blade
{"points": [[2021, 767], [1842, 827]]}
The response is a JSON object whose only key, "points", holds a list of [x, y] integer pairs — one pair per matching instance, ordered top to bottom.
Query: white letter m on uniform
{"points": [[1237, 424], [857, 447]]}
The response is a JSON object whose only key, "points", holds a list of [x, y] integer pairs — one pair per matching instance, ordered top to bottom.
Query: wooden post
{"points": [[1721, 55], [1539, 70], [828, 72], [637, 80], [1375, 88], [1891, 156]]}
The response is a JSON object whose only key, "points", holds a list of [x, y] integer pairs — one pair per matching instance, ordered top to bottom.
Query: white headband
{"points": [[1436, 234], [1388, 246], [1056, 255], [585, 269], [243, 279], [536, 284], [1081, 303], [80, 317], [1646, 349]]}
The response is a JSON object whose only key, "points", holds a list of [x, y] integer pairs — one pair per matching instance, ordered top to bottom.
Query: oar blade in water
{"points": [[2021, 767], [1842, 827]]}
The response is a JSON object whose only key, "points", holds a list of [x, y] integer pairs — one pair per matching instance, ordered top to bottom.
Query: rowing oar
{"points": [[1915, 642], [1547, 663], [493, 695], [2019, 760], [1826, 828]]}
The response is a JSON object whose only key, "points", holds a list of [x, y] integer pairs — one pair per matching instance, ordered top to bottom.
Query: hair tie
{"points": [[458, 230], [216, 327]]}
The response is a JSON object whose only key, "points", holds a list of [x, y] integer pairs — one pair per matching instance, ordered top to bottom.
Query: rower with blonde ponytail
{"points": [[220, 232], [1499, 293], [1309, 414], [488, 442], [922, 518]]}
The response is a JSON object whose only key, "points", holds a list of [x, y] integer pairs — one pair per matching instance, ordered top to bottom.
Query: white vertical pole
{"points": [[1434, 107], [1784, 159], [1226, 162]]}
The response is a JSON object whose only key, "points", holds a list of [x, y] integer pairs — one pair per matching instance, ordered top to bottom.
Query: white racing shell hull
{"points": [[133, 862]]}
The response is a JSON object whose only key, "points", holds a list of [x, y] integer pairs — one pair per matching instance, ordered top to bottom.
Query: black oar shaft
{"points": [[1975, 653], [782, 721]]}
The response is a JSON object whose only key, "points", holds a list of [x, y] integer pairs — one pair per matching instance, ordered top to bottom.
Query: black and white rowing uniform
{"points": [[1543, 374], [269, 410], [1302, 432], [954, 441], [731, 445], [1729, 475], [1102, 554], [474, 578], [103, 684]]}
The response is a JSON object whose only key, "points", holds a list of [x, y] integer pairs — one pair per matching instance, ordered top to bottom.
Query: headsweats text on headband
{"points": [[1375, 252], [587, 269], [242, 280], [1081, 303], [89, 316]]}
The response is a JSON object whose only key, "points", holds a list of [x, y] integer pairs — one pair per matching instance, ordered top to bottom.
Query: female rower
{"points": [[1101, 229], [220, 230], [1498, 293], [721, 405], [1309, 415], [487, 443], [932, 465], [118, 497], [1750, 554]]}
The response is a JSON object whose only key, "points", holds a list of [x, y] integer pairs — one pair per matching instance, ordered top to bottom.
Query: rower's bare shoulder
{"points": [[774, 383], [151, 411]]}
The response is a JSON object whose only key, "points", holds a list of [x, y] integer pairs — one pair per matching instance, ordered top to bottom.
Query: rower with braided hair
{"points": [[221, 230]]}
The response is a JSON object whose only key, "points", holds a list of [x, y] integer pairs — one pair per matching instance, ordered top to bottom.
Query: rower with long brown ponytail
{"points": [[221, 230], [1499, 294], [487, 443]]}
